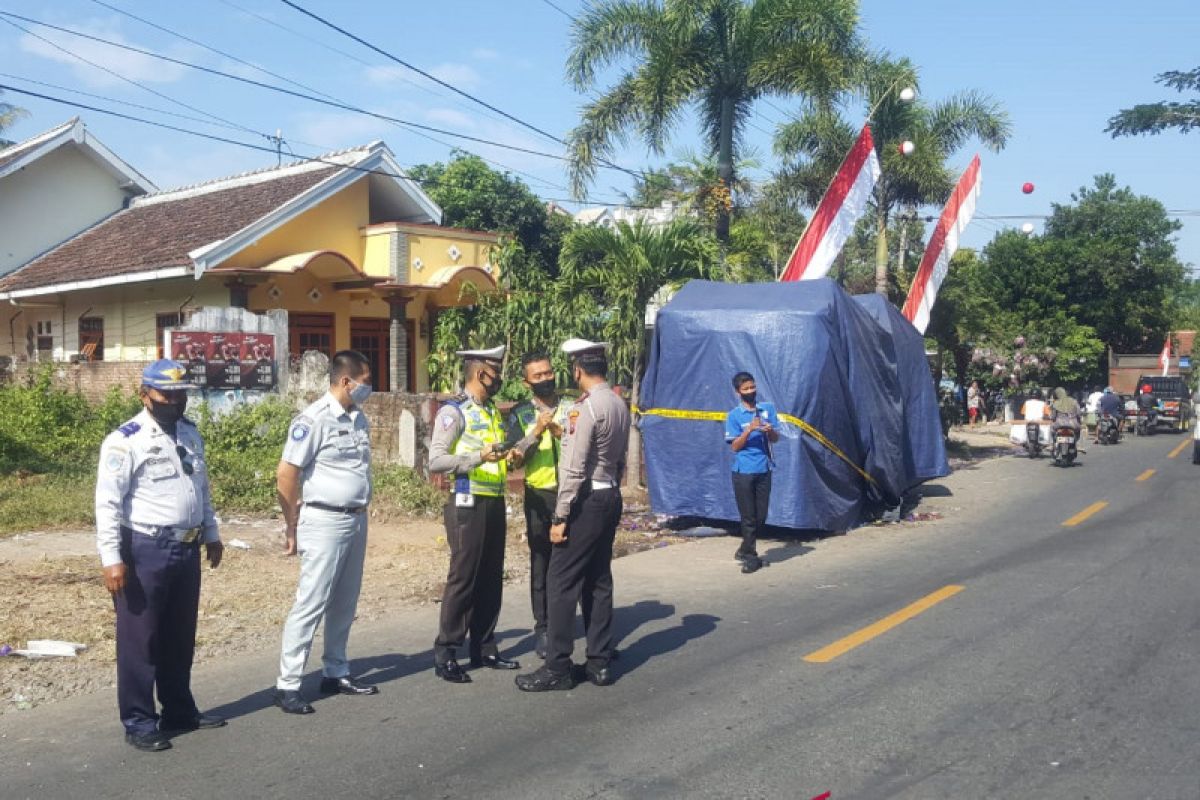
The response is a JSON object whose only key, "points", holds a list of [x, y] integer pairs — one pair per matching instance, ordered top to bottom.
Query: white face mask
{"points": [[359, 392]]}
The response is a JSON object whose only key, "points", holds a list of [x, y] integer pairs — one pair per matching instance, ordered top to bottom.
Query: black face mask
{"points": [[490, 388], [543, 388], [749, 397], [167, 414]]}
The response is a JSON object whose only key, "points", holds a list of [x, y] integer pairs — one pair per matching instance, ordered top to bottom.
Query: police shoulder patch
{"points": [[301, 427], [130, 428], [114, 457]]}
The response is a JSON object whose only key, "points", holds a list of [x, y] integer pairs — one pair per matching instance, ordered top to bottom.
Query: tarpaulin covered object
{"points": [[825, 362], [924, 448]]}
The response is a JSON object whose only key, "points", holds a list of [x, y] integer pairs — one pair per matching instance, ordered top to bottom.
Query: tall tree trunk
{"points": [[725, 167], [904, 220], [881, 253], [633, 453]]}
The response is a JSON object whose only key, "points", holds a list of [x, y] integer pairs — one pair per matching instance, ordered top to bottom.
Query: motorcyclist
{"points": [[1148, 404], [1111, 405], [1065, 412]]}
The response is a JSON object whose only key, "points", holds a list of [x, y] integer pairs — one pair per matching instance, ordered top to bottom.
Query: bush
{"points": [[46, 429], [243, 446], [403, 489]]}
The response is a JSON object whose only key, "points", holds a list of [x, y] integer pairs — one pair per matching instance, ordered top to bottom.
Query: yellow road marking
{"points": [[1179, 449], [1145, 476], [1087, 512], [841, 646]]}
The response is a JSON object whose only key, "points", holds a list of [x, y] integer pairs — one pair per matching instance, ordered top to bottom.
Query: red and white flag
{"points": [[844, 202], [942, 244], [1164, 358]]}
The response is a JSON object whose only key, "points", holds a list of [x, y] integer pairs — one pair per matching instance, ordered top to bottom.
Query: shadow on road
{"points": [[691, 626]]}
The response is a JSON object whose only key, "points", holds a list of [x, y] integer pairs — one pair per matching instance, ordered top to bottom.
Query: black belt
{"points": [[338, 509]]}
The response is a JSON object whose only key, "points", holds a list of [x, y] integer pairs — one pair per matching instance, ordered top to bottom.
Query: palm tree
{"points": [[715, 56], [9, 114], [818, 140], [622, 268]]}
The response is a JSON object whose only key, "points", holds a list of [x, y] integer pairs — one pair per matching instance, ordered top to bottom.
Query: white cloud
{"points": [[485, 54], [133, 66], [386, 76], [463, 76], [448, 117], [336, 131]]}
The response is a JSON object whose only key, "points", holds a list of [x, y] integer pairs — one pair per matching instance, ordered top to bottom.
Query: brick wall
{"points": [[92, 379]]}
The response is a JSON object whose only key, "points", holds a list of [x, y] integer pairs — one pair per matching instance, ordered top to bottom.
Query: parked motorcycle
{"points": [[1108, 429], [1033, 439], [1064, 446]]}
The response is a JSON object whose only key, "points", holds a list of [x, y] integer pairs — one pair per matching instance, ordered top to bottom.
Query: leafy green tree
{"points": [[714, 56], [9, 114], [1154, 118], [816, 143], [1113, 255], [620, 269], [528, 313]]}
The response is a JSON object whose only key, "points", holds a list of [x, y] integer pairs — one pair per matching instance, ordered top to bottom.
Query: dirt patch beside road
{"points": [[50, 588]]}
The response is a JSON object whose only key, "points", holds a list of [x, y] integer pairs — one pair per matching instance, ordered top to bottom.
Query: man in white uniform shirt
{"points": [[324, 485], [153, 511]]}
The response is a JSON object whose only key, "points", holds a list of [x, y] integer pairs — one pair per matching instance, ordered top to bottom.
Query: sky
{"points": [[1060, 68]]}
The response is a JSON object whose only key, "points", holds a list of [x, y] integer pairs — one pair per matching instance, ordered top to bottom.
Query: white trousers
{"points": [[332, 547]]}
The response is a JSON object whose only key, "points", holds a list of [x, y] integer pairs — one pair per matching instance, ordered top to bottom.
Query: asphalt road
{"points": [[1031, 659]]}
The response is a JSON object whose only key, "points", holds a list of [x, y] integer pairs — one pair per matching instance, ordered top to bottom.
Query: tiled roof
{"points": [[11, 153], [159, 230]]}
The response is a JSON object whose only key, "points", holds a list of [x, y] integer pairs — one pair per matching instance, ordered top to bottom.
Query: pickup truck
{"points": [[1174, 400]]}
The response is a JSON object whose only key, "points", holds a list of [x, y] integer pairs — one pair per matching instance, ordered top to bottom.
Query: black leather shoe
{"points": [[741, 556], [752, 565], [540, 646], [494, 662], [451, 672], [600, 676], [543, 680], [346, 685], [292, 702], [198, 722], [150, 742]]}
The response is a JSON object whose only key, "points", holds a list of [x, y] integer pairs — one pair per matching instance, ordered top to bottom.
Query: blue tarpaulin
{"points": [[824, 361]]}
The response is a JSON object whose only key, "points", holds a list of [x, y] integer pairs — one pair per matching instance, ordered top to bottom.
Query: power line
{"points": [[560, 10], [209, 48], [101, 67], [420, 71], [283, 78], [440, 82], [291, 92], [250, 145]]}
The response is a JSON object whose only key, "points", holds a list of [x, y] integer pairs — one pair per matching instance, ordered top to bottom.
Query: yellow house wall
{"points": [[333, 225], [432, 252]]}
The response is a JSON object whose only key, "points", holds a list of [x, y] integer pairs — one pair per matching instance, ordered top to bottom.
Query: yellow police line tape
{"points": [[719, 416]]}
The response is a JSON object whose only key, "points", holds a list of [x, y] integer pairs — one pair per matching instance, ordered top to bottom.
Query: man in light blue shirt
{"points": [[750, 429]]}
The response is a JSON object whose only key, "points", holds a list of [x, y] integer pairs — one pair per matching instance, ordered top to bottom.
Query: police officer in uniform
{"points": [[535, 426], [468, 444], [324, 486], [153, 511], [586, 515]]}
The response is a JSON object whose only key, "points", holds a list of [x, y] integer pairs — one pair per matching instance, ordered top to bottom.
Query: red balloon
{"points": [[1027, 188]]}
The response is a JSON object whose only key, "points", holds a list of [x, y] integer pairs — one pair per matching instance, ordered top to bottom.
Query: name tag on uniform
{"points": [[159, 468], [464, 500]]}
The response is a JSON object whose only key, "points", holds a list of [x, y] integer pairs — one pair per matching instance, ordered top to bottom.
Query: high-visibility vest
{"points": [[481, 425], [541, 464]]}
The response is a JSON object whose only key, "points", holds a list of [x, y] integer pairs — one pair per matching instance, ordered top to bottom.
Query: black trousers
{"points": [[752, 491], [539, 511], [581, 573], [475, 583], [156, 629]]}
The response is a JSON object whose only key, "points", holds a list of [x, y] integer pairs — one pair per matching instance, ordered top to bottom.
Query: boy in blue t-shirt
{"points": [[750, 429]]}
